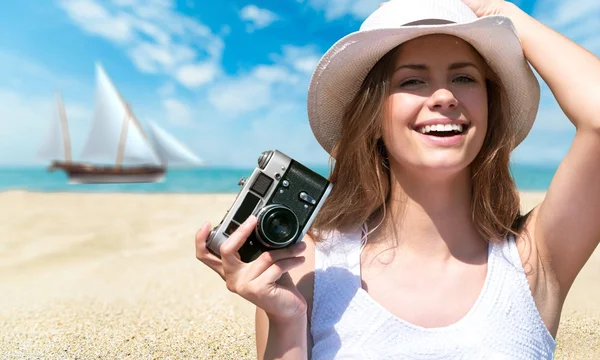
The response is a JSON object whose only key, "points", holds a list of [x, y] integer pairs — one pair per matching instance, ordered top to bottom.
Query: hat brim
{"points": [[342, 69]]}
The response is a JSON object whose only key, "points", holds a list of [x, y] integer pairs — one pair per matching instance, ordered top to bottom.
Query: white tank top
{"points": [[347, 323]]}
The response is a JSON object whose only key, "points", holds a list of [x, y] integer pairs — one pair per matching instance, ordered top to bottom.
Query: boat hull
{"points": [[81, 173]]}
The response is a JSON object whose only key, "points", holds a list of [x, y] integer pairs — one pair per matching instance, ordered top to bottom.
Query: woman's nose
{"points": [[442, 99]]}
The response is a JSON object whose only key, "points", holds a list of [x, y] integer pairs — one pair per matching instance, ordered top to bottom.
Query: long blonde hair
{"points": [[361, 176]]}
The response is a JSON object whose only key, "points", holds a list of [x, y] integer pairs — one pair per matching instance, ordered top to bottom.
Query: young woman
{"points": [[421, 251]]}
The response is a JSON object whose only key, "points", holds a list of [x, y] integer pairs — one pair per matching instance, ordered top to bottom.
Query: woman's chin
{"points": [[431, 161], [446, 165]]}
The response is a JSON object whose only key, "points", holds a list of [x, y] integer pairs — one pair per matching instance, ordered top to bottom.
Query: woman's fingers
{"points": [[229, 249], [203, 254], [267, 258], [274, 272]]}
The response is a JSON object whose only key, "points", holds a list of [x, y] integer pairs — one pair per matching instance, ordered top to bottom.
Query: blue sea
{"points": [[202, 180]]}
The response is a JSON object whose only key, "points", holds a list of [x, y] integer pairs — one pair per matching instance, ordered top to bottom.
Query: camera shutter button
{"points": [[242, 181], [307, 198]]}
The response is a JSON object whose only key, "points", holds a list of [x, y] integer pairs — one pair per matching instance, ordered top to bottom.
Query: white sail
{"points": [[110, 111], [53, 147], [170, 150]]}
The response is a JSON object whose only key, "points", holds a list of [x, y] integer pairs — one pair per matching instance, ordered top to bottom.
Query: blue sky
{"points": [[228, 78]]}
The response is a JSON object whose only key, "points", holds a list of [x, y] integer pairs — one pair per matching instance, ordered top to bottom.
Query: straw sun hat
{"points": [[340, 72]]}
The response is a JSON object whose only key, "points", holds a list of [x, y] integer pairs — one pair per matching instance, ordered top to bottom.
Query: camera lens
{"points": [[277, 226]]}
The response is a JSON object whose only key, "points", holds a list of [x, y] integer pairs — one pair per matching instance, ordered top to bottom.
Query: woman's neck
{"points": [[431, 216]]}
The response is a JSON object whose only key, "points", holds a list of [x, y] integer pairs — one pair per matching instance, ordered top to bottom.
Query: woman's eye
{"points": [[464, 79], [410, 82]]}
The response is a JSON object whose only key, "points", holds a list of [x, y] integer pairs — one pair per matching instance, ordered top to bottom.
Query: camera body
{"points": [[284, 195]]}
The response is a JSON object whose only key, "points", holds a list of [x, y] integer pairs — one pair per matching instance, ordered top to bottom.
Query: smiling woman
{"points": [[421, 250]]}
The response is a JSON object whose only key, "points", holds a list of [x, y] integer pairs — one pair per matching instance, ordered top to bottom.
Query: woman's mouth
{"points": [[442, 130], [443, 135]]}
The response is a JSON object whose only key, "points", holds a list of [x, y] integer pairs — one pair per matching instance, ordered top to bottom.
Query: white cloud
{"points": [[335, 9], [561, 13], [258, 18], [95, 19], [153, 31], [157, 38], [154, 58], [302, 59], [306, 65], [274, 73], [195, 75], [266, 85], [167, 90], [238, 96], [177, 112]]}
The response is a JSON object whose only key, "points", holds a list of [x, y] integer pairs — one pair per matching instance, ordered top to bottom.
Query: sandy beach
{"points": [[112, 276]]}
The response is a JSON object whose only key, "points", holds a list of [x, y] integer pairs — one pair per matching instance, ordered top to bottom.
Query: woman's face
{"points": [[437, 109]]}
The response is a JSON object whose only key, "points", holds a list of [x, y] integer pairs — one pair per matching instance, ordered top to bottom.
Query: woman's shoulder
{"points": [[337, 239]]}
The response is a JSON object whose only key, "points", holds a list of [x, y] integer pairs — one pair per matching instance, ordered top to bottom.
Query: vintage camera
{"points": [[284, 195]]}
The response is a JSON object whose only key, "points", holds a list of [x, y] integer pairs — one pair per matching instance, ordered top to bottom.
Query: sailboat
{"points": [[117, 149]]}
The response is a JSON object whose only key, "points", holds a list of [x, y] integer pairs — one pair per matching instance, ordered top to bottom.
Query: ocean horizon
{"points": [[210, 179]]}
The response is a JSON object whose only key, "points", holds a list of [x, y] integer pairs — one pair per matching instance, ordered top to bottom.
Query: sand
{"points": [[112, 276]]}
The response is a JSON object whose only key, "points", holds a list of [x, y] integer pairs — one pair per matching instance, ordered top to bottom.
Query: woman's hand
{"points": [[485, 7], [264, 281]]}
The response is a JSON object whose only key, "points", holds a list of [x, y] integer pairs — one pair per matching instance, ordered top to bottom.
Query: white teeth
{"points": [[441, 127]]}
